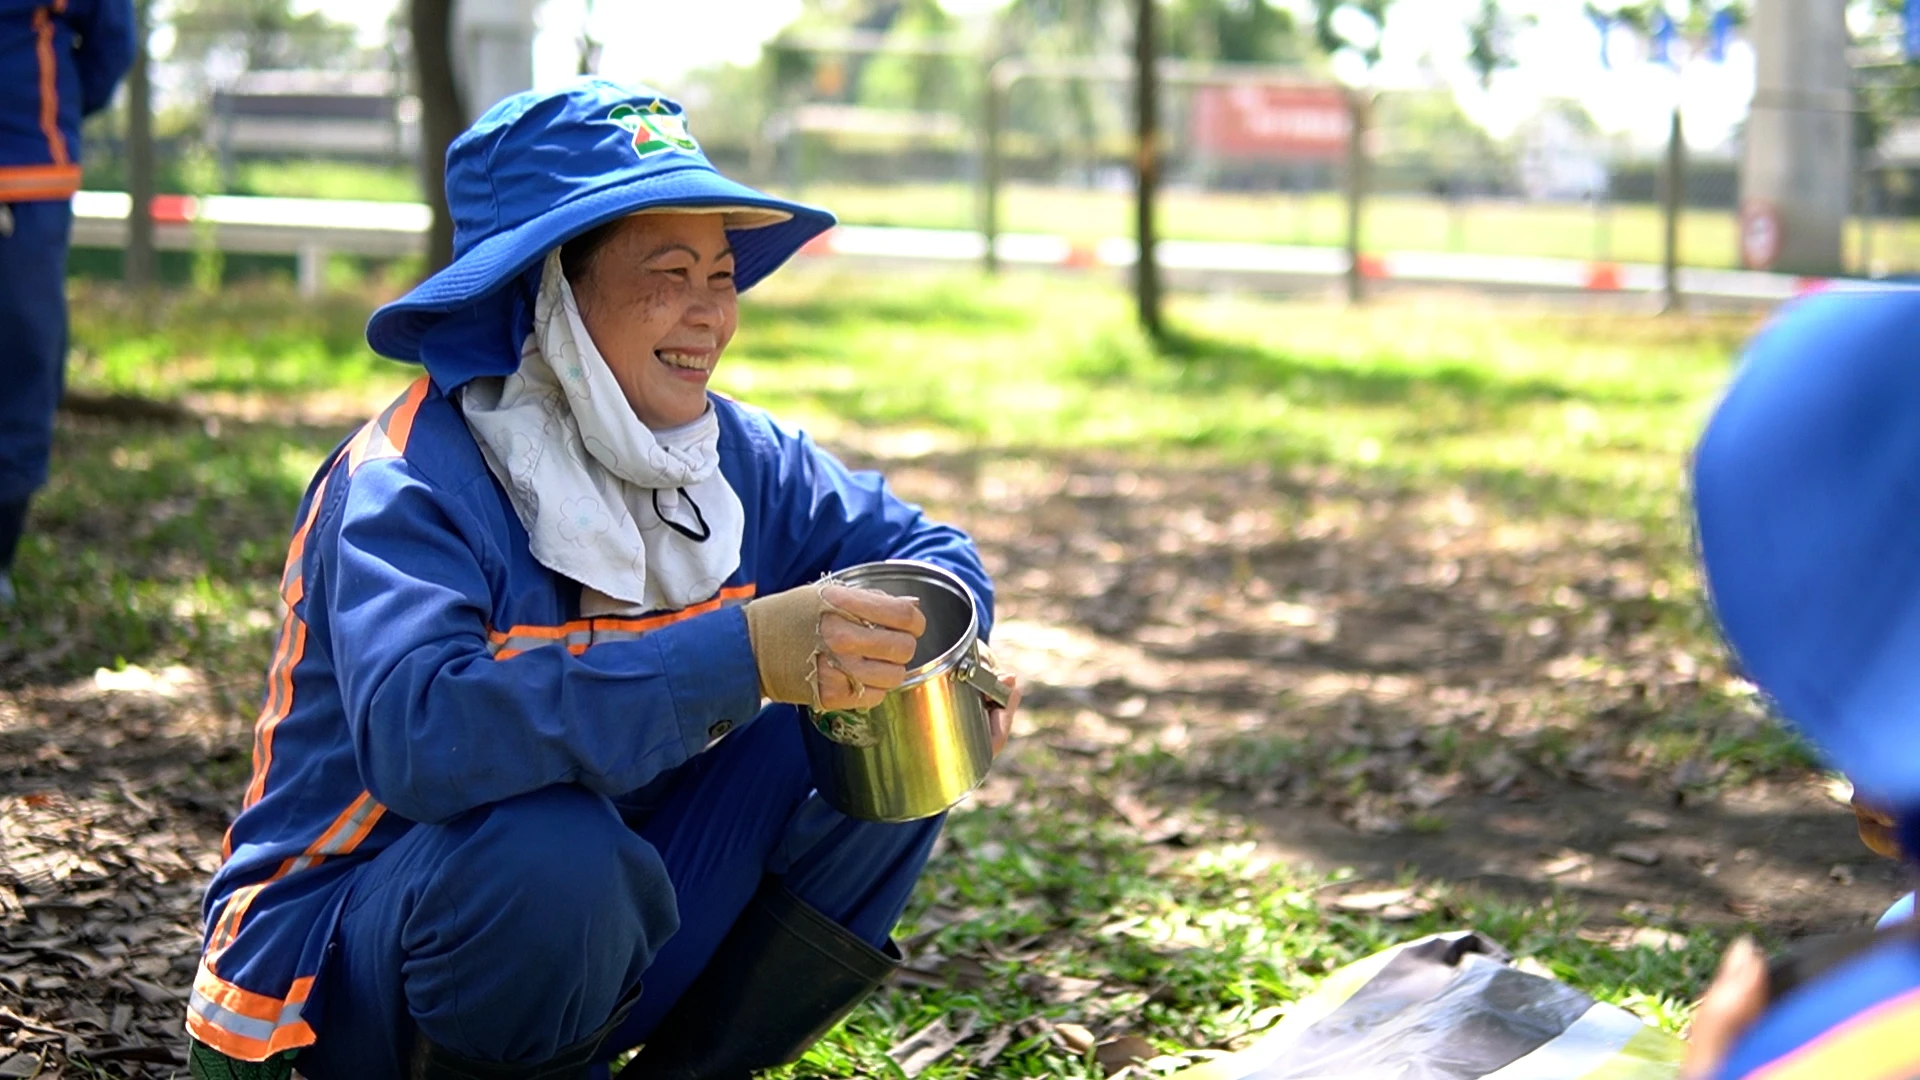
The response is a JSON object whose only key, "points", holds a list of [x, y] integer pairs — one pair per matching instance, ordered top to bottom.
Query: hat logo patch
{"points": [[656, 130]]}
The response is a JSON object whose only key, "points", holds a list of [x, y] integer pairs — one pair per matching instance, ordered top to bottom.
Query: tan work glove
{"points": [[831, 646]]}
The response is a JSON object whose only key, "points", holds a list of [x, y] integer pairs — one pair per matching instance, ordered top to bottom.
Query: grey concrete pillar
{"points": [[492, 51], [1797, 178]]}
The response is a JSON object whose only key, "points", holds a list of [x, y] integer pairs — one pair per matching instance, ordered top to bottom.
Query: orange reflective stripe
{"points": [[49, 84], [35, 183], [401, 429], [386, 436], [737, 592], [576, 626], [590, 628], [287, 653], [340, 837], [228, 927], [247, 1003], [278, 1019], [1876, 1045], [239, 1047]]}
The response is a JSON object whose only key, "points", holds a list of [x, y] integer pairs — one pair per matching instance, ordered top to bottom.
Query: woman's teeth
{"points": [[685, 361]]}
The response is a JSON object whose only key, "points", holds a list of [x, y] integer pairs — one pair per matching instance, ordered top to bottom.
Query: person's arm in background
{"points": [[104, 52]]}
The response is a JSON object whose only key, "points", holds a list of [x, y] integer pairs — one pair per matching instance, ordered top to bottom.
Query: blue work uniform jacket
{"points": [[59, 63], [427, 665]]}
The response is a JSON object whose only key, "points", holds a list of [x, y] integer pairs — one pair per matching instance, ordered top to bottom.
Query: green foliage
{"points": [[1235, 31], [1327, 32], [263, 34], [1490, 40], [916, 81]]}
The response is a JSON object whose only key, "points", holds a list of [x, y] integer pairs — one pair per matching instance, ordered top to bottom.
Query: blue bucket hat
{"points": [[544, 166], [1807, 496]]}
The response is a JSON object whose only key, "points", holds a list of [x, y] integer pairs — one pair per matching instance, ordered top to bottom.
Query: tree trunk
{"points": [[442, 117], [139, 265], [1146, 268]]}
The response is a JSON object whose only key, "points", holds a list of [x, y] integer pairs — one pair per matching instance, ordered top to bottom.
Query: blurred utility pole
{"points": [[430, 23], [1146, 102], [993, 107], [1358, 108], [1795, 181], [1673, 199], [138, 268]]}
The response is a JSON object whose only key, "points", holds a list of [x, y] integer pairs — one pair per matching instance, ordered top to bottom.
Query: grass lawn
{"points": [[160, 544]]}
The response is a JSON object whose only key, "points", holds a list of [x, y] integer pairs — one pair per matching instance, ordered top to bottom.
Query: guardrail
{"points": [[307, 229], [310, 229]]}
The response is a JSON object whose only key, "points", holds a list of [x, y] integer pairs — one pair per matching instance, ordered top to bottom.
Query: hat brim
{"points": [[759, 248]]}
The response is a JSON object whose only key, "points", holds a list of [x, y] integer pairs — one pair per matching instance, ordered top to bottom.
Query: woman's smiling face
{"points": [[657, 298]]}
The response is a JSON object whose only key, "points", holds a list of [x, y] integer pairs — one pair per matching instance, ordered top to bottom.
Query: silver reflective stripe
{"points": [[244, 1026]]}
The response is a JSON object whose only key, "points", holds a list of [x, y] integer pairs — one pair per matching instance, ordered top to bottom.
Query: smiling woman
{"points": [[658, 288], [517, 757]]}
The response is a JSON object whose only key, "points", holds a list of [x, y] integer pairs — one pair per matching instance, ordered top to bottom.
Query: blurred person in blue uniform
{"points": [[59, 63], [1807, 496], [528, 787]]}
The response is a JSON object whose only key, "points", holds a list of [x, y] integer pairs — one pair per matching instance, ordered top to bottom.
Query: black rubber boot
{"points": [[13, 522], [784, 976], [431, 1062], [206, 1063]]}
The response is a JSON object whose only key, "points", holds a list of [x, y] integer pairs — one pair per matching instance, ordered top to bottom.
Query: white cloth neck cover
{"points": [[643, 520]]}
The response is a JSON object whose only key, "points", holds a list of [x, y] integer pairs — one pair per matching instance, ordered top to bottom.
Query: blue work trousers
{"points": [[33, 341], [513, 931]]}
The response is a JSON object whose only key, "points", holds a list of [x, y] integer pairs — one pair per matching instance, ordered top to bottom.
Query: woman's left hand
{"points": [[1732, 1003]]}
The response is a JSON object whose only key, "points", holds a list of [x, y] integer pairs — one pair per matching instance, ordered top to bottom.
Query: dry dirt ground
{"points": [[1421, 685]]}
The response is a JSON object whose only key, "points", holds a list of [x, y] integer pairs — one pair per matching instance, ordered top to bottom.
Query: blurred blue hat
{"points": [[544, 166], [1807, 492]]}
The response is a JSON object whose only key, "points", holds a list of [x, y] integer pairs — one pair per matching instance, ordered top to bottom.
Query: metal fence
{"points": [[930, 135], [1252, 156]]}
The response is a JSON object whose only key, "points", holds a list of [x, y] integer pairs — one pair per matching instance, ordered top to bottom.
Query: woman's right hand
{"points": [[832, 646]]}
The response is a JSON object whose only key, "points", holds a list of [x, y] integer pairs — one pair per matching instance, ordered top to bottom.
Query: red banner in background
{"points": [[1254, 121]]}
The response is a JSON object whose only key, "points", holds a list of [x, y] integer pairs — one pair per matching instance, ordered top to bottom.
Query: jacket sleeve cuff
{"points": [[711, 676]]}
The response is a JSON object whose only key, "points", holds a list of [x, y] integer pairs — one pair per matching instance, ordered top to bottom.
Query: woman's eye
{"points": [[723, 277]]}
